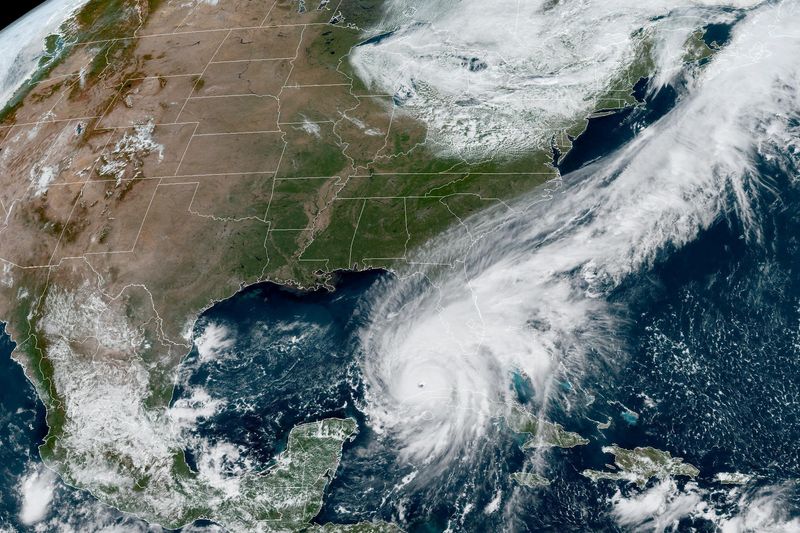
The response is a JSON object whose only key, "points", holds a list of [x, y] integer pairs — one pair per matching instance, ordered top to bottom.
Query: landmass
{"points": [[165, 155], [603, 425], [543, 433], [640, 465], [732, 478], [530, 480], [290, 494], [364, 527]]}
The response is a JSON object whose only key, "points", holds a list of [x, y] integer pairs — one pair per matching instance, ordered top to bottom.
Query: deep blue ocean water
{"points": [[293, 361], [708, 368], [21, 419], [22, 429]]}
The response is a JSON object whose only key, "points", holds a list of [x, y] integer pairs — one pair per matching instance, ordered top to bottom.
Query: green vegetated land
{"points": [[102, 22], [408, 194], [335, 204], [389, 205], [542, 433], [639, 465]]}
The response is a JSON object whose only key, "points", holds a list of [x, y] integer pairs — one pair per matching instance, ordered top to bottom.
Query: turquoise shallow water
{"points": [[707, 367]]}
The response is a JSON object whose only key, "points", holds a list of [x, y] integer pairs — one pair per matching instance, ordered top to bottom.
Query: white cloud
{"points": [[22, 43], [501, 77], [529, 294], [213, 341], [185, 412], [36, 490], [658, 508], [764, 511]]}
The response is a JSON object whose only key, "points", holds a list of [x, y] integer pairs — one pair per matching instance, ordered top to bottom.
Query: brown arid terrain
{"points": [[186, 150]]}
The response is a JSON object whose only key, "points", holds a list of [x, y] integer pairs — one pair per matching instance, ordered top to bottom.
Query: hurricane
{"points": [[402, 266], [531, 292]]}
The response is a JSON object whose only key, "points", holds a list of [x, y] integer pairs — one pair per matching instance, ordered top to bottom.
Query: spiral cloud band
{"points": [[529, 294]]}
